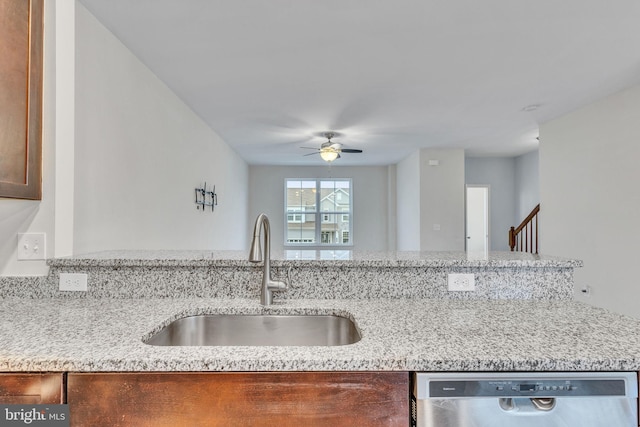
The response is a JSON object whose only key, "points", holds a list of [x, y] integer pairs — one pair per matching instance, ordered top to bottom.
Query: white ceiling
{"points": [[390, 75]]}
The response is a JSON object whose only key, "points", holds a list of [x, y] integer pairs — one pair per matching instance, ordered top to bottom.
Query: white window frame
{"points": [[320, 214]]}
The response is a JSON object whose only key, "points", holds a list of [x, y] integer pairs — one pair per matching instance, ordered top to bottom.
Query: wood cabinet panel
{"points": [[31, 388], [239, 399]]}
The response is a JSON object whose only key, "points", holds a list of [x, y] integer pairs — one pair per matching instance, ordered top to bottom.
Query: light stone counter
{"points": [[325, 258], [313, 274], [520, 317], [430, 335]]}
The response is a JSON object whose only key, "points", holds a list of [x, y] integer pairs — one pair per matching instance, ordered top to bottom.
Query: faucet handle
{"points": [[277, 285], [281, 285]]}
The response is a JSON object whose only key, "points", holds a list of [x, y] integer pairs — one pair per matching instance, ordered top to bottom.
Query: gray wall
{"points": [[140, 153], [527, 168], [499, 174], [513, 191], [590, 199], [370, 200], [408, 200], [430, 200], [442, 200]]}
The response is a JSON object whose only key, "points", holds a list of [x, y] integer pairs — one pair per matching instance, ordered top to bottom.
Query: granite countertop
{"points": [[342, 258], [423, 335]]}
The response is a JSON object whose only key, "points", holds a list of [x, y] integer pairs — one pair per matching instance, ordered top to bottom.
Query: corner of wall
{"points": [[20, 216]]}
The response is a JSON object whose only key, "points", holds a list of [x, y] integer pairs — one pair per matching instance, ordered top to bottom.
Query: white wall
{"points": [[140, 153], [527, 168], [500, 175], [589, 177], [370, 200], [442, 200], [408, 203], [392, 210], [21, 216]]}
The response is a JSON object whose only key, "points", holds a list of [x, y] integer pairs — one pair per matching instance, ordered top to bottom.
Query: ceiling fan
{"points": [[329, 151]]}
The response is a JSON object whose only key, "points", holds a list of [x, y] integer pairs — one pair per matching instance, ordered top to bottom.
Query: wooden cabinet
{"points": [[31, 389], [239, 399]]}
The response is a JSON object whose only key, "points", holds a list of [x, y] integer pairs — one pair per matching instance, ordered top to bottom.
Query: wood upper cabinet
{"points": [[31, 389], [239, 399]]}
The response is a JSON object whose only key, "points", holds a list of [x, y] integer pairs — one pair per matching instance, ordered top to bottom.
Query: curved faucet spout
{"points": [[255, 255]]}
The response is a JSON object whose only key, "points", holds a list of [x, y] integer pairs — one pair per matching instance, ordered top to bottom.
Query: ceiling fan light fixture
{"points": [[328, 154]]}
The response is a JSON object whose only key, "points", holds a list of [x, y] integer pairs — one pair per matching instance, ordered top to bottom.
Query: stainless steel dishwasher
{"points": [[518, 399]]}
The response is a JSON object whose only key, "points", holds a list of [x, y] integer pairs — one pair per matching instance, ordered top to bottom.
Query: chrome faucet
{"points": [[255, 255]]}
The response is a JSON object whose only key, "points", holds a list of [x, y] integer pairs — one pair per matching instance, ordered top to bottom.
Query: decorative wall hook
{"points": [[206, 198]]}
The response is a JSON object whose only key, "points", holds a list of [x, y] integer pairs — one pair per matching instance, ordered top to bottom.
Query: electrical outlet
{"points": [[31, 246], [73, 282], [461, 282]]}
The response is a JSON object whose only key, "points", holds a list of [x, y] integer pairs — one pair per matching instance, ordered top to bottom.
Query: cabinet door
{"points": [[31, 389], [239, 399]]}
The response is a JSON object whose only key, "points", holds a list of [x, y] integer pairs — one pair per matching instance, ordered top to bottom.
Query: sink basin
{"points": [[258, 330]]}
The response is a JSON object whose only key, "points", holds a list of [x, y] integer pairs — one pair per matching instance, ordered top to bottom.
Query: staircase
{"points": [[524, 238]]}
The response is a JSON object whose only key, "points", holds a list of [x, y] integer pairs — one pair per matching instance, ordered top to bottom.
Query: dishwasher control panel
{"points": [[442, 385], [528, 388], [524, 399]]}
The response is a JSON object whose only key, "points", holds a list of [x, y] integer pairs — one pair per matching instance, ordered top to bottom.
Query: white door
{"points": [[477, 216]]}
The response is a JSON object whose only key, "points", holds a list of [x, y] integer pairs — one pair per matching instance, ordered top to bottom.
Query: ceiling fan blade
{"points": [[310, 148], [350, 150], [311, 154]]}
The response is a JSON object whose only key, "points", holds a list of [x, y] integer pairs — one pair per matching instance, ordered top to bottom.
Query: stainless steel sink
{"points": [[257, 330]]}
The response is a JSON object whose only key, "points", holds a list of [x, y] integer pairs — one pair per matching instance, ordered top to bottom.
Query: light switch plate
{"points": [[31, 246], [73, 282], [461, 282]]}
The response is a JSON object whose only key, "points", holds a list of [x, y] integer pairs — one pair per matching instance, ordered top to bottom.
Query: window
{"points": [[328, 200], [295, 217], [301, 241]]}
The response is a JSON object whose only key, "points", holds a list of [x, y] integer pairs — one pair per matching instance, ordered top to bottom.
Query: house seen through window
{"points": [[318, 212]]}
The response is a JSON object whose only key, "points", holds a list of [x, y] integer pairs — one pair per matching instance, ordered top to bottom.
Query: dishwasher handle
{"points": [[544, 403], [524, 404]]}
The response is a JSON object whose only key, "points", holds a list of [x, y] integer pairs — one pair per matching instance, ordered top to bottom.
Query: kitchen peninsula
{"points": [[521, 316]]}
